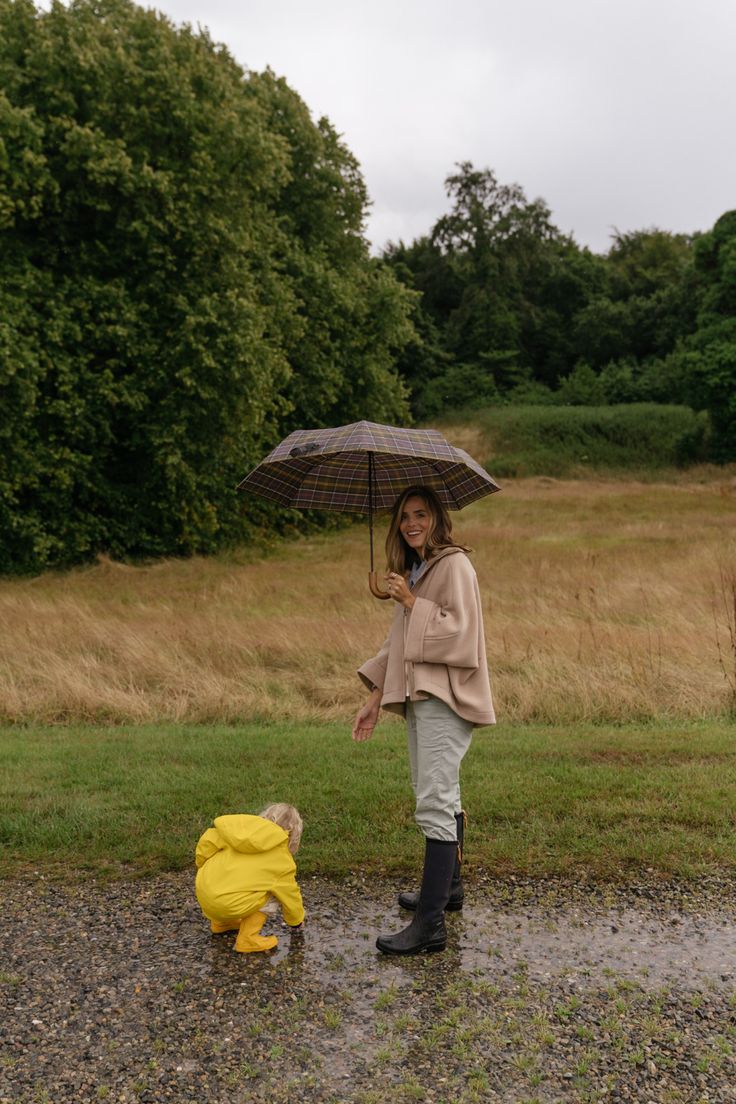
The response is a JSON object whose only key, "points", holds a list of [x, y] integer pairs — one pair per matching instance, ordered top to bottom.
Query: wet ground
{"points": [[548, 991]]}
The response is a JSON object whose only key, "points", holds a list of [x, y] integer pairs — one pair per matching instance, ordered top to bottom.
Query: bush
{"points": [[620, 383], [458, 386], [581, 388], [531, 393], [558, 441]]}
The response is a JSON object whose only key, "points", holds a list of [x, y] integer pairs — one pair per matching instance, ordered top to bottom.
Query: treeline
{"points": [[184, 278], [513, 311]]}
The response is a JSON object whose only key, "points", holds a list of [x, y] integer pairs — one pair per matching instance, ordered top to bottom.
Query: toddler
{"points": [[245, 864]]}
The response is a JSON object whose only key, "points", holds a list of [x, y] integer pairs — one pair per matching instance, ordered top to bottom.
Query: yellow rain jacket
{"points": [[240, 862]]}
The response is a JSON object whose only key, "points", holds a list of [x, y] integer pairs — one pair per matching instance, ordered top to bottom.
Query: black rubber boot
{"points": [[409, 900], [427, 929]]}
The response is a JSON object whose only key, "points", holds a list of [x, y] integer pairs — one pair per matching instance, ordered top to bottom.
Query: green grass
{"points": [[575, 440], [542, 800]]}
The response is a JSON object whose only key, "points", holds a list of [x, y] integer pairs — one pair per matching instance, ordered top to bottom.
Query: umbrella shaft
{"points": [[370, 502]]}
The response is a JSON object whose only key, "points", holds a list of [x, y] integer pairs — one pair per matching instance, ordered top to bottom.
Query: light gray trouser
{"points": [[438, 740]]}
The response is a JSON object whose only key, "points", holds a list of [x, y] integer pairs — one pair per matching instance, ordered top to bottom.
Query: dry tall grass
{"points": [[603, 600]]}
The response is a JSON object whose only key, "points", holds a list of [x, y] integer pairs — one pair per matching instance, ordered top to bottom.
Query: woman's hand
{"points": [[399, 590], [367, 717]]}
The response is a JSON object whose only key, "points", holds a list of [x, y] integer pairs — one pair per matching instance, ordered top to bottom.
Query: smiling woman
{"points": [[431, 669]]}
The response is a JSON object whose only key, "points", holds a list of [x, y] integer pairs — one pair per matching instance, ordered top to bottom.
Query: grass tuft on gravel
{"points": [[542, 800]]}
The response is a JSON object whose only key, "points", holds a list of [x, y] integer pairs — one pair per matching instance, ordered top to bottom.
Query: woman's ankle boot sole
{"points": [[386, 948]]}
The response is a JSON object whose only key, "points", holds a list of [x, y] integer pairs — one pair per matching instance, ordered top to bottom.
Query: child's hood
{"points": [[250, 834]]}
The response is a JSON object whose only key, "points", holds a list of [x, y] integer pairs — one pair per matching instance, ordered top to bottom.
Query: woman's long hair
{"points": [[399, 556]]}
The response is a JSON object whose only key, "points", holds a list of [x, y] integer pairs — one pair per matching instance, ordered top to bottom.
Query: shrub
{"points": [[458, 386], [581, 388], [556, 441]]}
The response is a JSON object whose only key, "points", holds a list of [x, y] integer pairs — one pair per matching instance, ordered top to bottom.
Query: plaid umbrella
{"points": [[362, 468]]}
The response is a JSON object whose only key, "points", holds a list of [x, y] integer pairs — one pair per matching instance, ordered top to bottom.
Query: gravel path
{"points": [[547, 992]]}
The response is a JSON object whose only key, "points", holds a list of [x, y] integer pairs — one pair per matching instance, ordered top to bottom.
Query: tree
{"points": [[486, 215], [494, 239], [643, 262], [184, 275], [500, 285], [705, 361]]}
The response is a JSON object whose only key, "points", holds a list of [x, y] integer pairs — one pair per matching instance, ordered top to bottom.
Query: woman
{"points": [[431, 669]]}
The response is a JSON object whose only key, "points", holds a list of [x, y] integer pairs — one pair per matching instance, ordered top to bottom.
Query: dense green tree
{"points": [[493, 238], [642, 262], [183, 276], [566, 279], [500, 286], [511, 303], [645, 304], [346, 315], [423, 358], [703, 368]]}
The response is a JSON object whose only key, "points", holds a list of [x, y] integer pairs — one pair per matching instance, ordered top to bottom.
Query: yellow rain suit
{"points": [[241, 862]]}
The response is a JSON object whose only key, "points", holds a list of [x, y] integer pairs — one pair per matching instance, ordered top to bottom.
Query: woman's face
{"points": [[415, 523]]}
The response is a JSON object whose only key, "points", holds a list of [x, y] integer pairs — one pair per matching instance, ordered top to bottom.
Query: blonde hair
{"points": [[399, 556], [288, 818]]}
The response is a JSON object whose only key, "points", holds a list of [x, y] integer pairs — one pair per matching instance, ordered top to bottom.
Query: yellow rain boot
{"points": [[226, 925], [248, 937]]}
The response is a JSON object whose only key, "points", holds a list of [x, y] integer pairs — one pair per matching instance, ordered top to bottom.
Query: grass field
{"points": [[605, 600], [139, 702], [594, 799]]}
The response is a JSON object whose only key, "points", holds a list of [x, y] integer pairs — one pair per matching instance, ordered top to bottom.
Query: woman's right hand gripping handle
{"points": [[367, 717]]}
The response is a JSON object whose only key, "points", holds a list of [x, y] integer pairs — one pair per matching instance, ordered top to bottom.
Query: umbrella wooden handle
{"points": [[375, 588]]}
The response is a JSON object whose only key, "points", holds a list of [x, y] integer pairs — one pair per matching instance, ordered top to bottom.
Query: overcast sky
{"points": [[619, 113]]}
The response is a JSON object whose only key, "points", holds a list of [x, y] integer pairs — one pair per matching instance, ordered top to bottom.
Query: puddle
{"points": [[654, 947], [683, 951]]}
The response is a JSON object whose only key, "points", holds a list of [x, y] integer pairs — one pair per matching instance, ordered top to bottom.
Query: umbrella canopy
{"points": [[363, 467]]}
